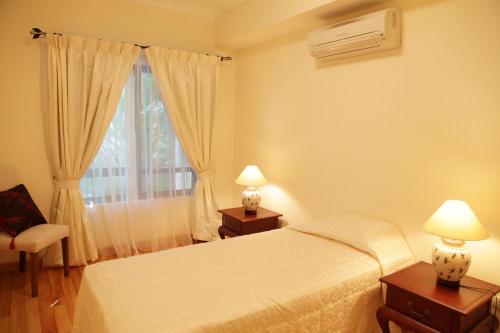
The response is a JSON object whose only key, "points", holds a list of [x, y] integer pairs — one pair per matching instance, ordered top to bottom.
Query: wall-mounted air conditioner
{"points": [[369, 33]]}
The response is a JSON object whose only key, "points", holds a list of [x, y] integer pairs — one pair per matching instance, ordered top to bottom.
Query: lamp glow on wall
{"points": [[250, 198], [455, 223]]}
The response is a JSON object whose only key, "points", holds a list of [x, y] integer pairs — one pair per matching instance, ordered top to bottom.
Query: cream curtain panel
{"points": [[86, 78], [188, 85]]}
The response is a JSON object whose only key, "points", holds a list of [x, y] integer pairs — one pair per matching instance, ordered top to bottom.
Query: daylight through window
{"points": [[140, 156]]}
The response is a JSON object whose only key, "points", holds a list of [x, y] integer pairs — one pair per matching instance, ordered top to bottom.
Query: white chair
{"points": [[33, 240]]}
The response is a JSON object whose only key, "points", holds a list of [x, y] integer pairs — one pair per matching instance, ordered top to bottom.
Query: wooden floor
{"points": [[51, 311]]}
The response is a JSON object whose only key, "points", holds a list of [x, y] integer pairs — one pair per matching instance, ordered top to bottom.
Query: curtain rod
{"points": [[37, 33]]}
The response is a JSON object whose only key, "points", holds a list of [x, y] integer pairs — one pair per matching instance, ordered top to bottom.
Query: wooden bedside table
{"points": [[236, 223], [414, 301]]}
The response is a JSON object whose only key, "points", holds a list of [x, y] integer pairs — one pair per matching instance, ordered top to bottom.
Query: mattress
{"points": [[286, 280]]}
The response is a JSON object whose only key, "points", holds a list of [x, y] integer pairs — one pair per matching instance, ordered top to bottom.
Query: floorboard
{"points": [[52, 311]]}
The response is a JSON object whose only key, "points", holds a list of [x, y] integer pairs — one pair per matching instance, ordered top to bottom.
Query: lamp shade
{"points": [[251, 176], [455, 220]]}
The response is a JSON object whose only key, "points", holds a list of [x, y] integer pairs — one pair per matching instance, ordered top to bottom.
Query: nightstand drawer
{"points": [[231, 223], [261, 225], [420, 309]]}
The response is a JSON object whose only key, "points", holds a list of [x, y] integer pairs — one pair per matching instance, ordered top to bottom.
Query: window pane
{"points": [[140, 156]]}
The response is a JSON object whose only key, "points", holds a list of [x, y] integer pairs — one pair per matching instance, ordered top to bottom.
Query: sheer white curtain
{"points": [[138, 190]]}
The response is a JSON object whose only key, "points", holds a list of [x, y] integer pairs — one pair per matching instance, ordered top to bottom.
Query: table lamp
{"points": [[252, 177], [455, 223]]}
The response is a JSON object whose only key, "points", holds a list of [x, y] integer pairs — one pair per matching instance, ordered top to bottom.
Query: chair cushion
{"points": [[18, 212], [35, 238]]}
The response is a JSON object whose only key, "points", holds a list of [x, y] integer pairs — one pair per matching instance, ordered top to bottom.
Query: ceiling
{"points": [[207, 8]]}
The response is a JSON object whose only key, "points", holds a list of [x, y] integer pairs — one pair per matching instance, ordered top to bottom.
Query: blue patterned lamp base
{"points": [[250, 198], [451, 261]]}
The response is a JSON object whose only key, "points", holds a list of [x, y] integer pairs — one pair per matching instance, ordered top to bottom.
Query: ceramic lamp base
{"points": [[250, 198], [451, 261]]}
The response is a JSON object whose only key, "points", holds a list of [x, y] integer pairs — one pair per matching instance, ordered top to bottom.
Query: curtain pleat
{"points": [[85, 81], [188, 84]]}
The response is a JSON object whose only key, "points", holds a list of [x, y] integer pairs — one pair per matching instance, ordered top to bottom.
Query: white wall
{"points": [[390, 135], [23, 153]]}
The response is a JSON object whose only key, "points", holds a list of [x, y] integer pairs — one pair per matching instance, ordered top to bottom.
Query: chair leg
{"points": [[65, 253], [22, 261], [34, 274]]}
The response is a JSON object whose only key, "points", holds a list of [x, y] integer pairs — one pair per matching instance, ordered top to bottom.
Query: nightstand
{"points": [[236, 223], [416, 302]]}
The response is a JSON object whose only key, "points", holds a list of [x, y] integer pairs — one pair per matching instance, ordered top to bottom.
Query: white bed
{"points": [[287, 280]]}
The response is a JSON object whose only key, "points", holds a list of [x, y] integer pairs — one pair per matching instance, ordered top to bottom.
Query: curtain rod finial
{"points": [[37, 33]]}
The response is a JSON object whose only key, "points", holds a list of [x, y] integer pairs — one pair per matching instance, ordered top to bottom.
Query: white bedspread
{"points": [[382, 240], [278, 281]]}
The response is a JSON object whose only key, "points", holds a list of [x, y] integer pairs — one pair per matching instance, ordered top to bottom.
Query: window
{"points": [[140, 156]]}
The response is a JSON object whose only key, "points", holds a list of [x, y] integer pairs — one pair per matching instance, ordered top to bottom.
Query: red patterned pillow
{"points": [[18, 212]]}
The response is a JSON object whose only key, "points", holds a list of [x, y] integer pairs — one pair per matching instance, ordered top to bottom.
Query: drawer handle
{"points": [[425, 315]]}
